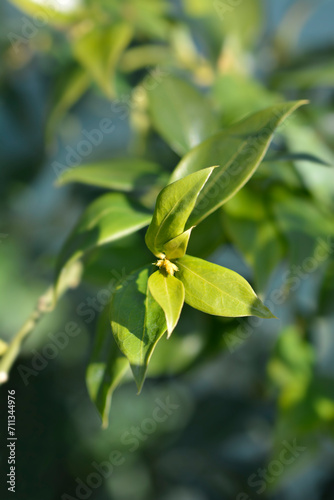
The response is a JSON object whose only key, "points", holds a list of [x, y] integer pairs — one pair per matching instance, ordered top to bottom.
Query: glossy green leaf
{"points": [[99, 50], [181, 114], [238, 151], [122, 174], [173, 208], [108, 218], [177, 247], [168, 291], [219, 291], [137, 322], [106, 368]]}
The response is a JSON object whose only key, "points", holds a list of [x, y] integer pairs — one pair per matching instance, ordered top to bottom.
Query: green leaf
{"points": [[99, 50], [73, 83], [237, 96], [180, 114], [238, 150], [122, 174], [319, 180], [173, 207], [110, 217], [307, 228], [253, 231], [177, 247], [168, 291], [219, 291], [137, 322], [106, 368]]}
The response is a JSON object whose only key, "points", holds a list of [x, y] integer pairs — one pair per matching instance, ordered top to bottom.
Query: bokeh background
{"points": [[241, 392]]}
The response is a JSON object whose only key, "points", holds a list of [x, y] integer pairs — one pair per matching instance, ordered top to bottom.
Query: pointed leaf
{"points": [[99, 50], [181, 114], [238, 150], [122, 174], [173, 207], [108, 218], [177, 247], [168, 291], [219, 291], [137, 322], [106, 368]]}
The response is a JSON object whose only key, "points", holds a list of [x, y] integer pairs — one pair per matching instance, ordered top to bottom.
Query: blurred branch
{"points": [[46, 304]]}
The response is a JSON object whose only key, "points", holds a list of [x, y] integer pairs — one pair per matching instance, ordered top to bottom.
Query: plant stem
{"points": [[70, 278], [44, 305]]}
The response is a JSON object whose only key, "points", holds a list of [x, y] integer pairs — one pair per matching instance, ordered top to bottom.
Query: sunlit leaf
{"points": [[51, 15], [238, 151], [173, 208], [168, 291], [219, 291]]}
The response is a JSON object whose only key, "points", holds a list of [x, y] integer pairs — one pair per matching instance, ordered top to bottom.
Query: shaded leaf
{"points": [[74, 82], [180, 114], [238, 150], [173, 207], [108, 218], [251, 228], [307, 229], [177, 247], [168, 291], [219, 291], [137, 322], [106, 367]]}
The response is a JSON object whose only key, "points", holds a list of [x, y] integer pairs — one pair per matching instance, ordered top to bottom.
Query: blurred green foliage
{"points": [[243, 386]]}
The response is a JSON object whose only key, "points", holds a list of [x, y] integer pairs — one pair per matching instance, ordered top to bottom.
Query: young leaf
{"points": [[99, 50], [181, 114], [238, 150], [122, 174], [173, 207], [108, 218], [177, 247], [168, 291], [219, 291], [137, 322], [106, 368]]}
